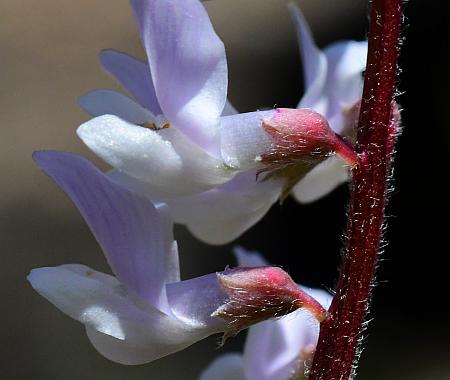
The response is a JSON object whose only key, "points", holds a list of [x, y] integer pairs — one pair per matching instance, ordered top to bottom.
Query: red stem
{"points": [[340, 336]]}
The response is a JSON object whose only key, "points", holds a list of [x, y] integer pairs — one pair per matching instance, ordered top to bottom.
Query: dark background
{"points": [[48, 55]]}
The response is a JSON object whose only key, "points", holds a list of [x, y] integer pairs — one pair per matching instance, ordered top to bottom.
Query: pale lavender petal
{"points": [[346, 59], [314, 63], [346, 64], [188, 66], [134, 76], [108, 102], [243, 139], [166, 159], [321, 180], [220, 215], [136, 239], [173, 261], [194, 301], [120, 328], [274, 349], [268, 355], [225, 367]]}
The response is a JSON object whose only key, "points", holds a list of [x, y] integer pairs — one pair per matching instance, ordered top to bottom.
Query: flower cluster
{"points": [[182, 143], [182, 153]]}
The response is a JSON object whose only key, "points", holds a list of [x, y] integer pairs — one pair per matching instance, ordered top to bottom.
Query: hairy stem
{"points": [[340, 336]]}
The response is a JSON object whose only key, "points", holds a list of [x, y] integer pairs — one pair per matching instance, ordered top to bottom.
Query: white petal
{"points": [[346, 63], [108, 102], [168, 161], [321, 180], [220, 215], [219, 232], [93, 298], [120, 329], [149, 346], [225, 367]]}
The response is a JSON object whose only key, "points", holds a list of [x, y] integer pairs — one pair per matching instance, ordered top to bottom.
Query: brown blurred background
{"points": [[48, 57]]}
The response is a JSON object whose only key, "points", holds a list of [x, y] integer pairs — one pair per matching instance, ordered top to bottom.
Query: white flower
{"points": [[185, 145], [145, 312]]}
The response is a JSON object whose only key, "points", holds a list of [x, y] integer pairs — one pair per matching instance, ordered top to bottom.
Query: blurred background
{"points": [[48, 57]]}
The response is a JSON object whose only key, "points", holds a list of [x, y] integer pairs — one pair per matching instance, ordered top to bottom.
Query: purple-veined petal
{"points": [[314, 64], [188, 66], [134, 75], [108, 102], [165, 158], [321, 180], [220, 215], [137, 239], [120, 328], [225, 367]]}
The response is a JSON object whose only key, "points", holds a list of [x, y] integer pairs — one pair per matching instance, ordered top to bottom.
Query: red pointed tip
{"points": [[346, 152], [313, 306]]}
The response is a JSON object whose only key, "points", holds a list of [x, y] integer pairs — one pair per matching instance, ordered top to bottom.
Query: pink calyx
{"points": [[302, 135], [257, 294]]}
